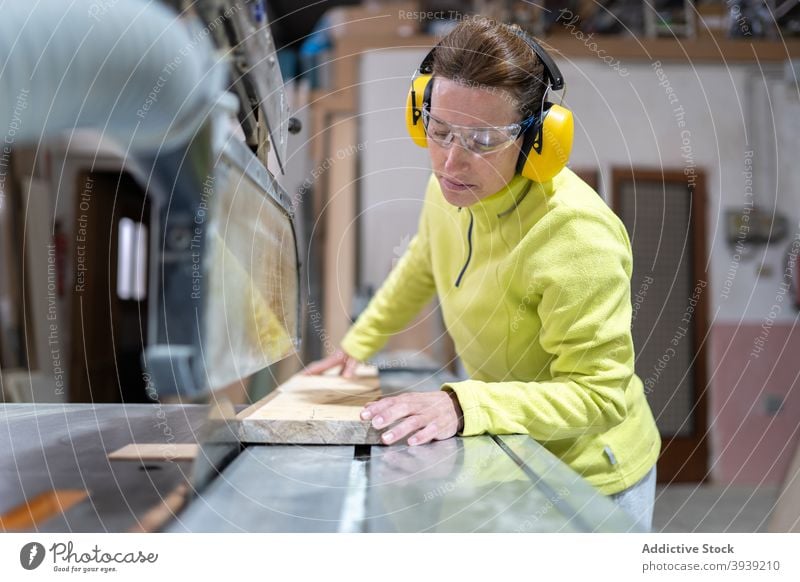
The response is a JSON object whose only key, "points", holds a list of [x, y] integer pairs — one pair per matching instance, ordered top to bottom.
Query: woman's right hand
{"points": [[338, 358]]}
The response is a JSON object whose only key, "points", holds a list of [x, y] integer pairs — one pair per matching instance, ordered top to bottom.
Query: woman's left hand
{"points": [[426, 416]]}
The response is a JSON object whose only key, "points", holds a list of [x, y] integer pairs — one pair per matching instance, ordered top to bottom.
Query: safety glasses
{"points": [[478, 140]]}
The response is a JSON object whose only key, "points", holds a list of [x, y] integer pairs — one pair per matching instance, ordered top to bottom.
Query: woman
{"points": [[532, 275]]}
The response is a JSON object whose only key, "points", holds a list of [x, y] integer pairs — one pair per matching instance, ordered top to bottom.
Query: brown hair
{"points": [[486, 53]]}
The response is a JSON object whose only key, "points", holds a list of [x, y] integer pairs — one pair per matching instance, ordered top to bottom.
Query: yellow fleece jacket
{"points": [[534, 287]]}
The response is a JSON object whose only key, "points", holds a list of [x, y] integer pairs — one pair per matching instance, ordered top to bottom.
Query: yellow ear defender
{"points": [[420, 85], [546, 144]]}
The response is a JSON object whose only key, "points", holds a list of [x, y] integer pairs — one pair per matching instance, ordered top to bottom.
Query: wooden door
{"points": [[663, 212]]}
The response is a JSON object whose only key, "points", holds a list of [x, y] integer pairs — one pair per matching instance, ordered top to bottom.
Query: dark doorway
{"points": [[110, 275]]}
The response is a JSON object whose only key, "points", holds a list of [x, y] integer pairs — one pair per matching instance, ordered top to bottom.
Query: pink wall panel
{"points": [[753, 367]]}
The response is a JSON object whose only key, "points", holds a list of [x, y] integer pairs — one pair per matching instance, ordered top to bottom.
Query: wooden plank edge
{"points": [[287, 432]]}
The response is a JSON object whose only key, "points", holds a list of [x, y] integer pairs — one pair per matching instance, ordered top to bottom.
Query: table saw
{"points": [[474, 484]]}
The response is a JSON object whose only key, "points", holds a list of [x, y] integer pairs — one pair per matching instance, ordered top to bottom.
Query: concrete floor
{"points": [[710, 508]]}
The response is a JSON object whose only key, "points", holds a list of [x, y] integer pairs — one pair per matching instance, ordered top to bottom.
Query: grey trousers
{"points": [[638, 500]]}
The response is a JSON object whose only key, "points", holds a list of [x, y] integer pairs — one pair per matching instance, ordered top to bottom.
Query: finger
{"points": [[325, 364], [319, 368], [349, 368], [377, 408], [397, 409], [368, 411], [403, 429], [425, 435]]}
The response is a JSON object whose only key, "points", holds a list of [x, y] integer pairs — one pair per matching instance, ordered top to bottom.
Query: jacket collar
{"points": [[508, 199]]}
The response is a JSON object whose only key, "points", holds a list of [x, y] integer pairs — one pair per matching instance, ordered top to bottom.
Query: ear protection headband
{"points": [[546, 143]]}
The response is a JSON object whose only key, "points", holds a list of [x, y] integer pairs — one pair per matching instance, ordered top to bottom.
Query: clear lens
{"points": [[479, 140]]}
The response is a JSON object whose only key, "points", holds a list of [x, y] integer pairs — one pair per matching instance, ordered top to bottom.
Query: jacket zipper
{"points": [[469, 248]]}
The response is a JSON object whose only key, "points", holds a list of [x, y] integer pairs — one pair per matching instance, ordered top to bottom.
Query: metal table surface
{"points": [[47, 447], [486, 483], [480, 484]]}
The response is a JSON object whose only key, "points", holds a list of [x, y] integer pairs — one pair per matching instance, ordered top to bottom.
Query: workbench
{"points": [[485, 483]]}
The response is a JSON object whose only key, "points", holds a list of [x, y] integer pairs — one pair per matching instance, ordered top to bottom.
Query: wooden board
{"points": [[313, 410], [156, 452]]}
